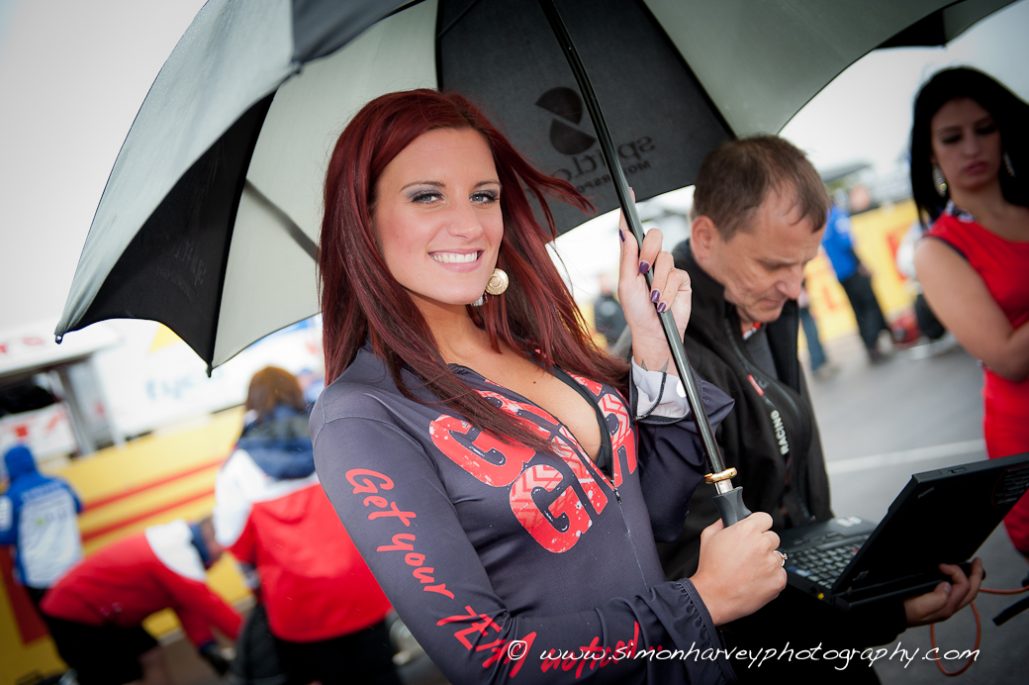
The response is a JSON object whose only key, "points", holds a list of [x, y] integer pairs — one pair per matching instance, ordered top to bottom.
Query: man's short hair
{"points": [[734, 180]]}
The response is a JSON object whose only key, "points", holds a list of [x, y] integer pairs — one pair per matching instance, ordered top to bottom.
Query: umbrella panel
{"points": [[945, 24], [510, 63], [183, 246]]}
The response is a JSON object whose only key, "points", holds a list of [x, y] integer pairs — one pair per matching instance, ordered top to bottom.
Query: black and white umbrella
{"points": [[209, 219]]}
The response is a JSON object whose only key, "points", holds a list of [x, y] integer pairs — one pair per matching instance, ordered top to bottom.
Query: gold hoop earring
{"points": [[939, 181], [498, 282]]}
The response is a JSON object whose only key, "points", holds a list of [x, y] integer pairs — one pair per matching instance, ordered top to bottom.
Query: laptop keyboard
{"points": [[822, 565]]}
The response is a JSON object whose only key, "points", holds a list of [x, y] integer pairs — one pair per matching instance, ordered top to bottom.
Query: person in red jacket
{"points": [[324, 608], [96, 611]]}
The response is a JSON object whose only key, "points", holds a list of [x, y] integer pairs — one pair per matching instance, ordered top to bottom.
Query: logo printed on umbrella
{"points": [[566, 104], [586, 169]]}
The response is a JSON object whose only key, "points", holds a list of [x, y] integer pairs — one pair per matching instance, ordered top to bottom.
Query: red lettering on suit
{"points": [[595, 388], [619, 425], [623, 439], [562, 442], [485, 456], [584, 474], [363, 480], [558, 526], [481, 624], [498, 649], [506, 650]]}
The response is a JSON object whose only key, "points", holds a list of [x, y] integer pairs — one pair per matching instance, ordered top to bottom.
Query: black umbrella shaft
{"points": [[607, 148]]}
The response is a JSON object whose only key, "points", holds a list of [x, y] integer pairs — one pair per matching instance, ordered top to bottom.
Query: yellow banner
{"points": [[878, 234]]}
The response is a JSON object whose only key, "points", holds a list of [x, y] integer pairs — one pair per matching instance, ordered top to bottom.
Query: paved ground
{"points": [[880, 424]]}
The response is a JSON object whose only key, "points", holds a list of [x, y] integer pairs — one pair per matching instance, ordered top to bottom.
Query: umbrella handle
{"points": [[729, 499]]}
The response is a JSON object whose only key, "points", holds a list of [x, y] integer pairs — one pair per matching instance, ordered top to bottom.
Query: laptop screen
{"points": [[941, 516]]}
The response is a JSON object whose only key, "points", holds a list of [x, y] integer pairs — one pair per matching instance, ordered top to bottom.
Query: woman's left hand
{"points": [[670, 290]]}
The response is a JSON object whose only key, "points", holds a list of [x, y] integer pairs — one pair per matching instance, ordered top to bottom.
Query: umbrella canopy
{"points": [[943, 26], [209, 219]]}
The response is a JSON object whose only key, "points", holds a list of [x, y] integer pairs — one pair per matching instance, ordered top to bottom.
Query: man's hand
{"points": [[947, 598]]}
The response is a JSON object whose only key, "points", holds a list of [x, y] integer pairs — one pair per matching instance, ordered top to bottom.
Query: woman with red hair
{"points": [[478, 446]]}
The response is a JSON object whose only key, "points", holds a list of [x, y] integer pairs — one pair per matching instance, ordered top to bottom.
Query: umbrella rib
{"points": [[441, 31], [287, 224], [675, 343]]}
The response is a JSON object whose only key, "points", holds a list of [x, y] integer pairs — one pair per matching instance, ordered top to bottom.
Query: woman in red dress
{"points": [[970, 178]]}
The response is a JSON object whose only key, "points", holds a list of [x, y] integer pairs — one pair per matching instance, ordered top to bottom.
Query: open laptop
{"points": [[941, 516]]}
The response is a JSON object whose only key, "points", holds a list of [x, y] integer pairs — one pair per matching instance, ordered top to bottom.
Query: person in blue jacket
{"points": [[856, 281], [38, 518]]}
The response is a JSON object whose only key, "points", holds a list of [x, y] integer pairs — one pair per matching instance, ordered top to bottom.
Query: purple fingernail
{"points": [[621, 235], [644, 267], [655, 295], [662, 307]]}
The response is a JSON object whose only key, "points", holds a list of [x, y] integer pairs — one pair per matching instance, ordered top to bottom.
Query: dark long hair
{"points": [[1009, 113], [360, 298]]}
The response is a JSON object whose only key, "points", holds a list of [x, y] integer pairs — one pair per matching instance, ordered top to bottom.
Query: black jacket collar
{"points": [[711, 313]]}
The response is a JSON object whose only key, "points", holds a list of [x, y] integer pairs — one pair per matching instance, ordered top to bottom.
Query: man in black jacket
{"points": [[760, 210]]}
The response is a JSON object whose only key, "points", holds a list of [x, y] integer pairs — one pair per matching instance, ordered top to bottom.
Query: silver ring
{"points": [[782, 562]]}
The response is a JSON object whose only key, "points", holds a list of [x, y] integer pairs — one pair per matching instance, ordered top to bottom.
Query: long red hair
{"points": [[360, 298]]}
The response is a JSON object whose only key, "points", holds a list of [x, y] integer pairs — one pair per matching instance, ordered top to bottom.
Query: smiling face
{"points": [[965, 145], [437, 217], [761, 265]]}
